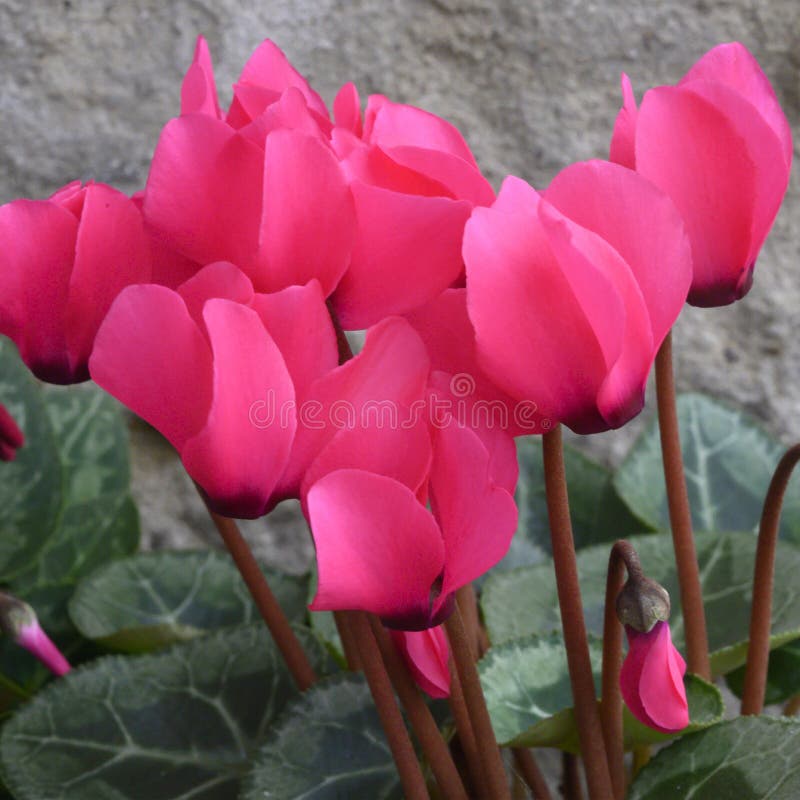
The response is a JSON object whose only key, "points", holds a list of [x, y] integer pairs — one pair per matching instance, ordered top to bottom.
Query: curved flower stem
{"points": [[622, 554], [694, 618], [289, 645], [755, 677], [476, 705], [419, 715], [590, 732], [466, 736], [405, 758], [531, 774]]}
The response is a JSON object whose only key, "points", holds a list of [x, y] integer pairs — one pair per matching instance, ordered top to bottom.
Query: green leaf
{"points": [[729, 460], [598, 514], [153, 599], [525, 600], [783, 675], [527, 688], [179, 724], [328, 744], [749, 758]]}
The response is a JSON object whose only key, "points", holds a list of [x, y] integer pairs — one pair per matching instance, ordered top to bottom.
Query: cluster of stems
{"points": [[368, 647]]}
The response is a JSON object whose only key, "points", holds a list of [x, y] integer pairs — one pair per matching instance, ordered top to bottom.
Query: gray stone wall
{"points": [[86, 85]]}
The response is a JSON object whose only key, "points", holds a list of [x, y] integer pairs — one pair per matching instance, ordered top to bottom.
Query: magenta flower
{"points": [[719, 144], [414, 182], [261, 188], [56, 284], [572, 291], [11, 437], [380, 550], [20, 623], [427, 656], [652, 680]]}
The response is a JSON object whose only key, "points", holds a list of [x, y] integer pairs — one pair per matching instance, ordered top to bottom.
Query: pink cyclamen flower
{"points": [[719, 144], [414, 182], [260, 187], [62, 263], [572, 291], [245, 385], [11, 437], [379, 549], [19, 622], [427, 655], [652, 679]]}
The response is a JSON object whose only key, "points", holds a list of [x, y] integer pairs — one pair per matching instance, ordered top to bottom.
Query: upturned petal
{"points": [[427, 655]]}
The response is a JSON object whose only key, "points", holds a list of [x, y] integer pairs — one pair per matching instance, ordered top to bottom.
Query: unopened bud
{"points": [[642, 603]]}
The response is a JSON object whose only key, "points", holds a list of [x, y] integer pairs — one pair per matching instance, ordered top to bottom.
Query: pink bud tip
{"points": [[38, 643], [652, 680]]}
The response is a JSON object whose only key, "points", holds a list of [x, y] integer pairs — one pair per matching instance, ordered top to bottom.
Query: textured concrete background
{"points": [[86, 86]]}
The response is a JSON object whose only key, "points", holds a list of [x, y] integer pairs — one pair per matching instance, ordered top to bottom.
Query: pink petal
{"points": [[735, 66], [269, 68], [198, 90], [347, 109], [389, 124], [623, 141], [764, 148], [693, 151], [462, 180], [204, 191], [608, 200], [308, 223], [110, 233], [37, 249], [407, 251], [222, 279], [300, 324], [532, 333], [152, 357], [391, 370], [401, 453], [235, 458], [478, 519], [378, 549], [33, 638], [427, 654], [661, 683]]}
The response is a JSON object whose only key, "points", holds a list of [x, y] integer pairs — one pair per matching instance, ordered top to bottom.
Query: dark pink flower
{"points": [[719, 144], [414, 182], [62, 263], [572, 291], [11, 437], [379, 549], [427, 655], [652, 680]]}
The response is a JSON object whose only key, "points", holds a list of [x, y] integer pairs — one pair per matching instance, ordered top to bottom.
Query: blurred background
{"points": [[87, 84]]}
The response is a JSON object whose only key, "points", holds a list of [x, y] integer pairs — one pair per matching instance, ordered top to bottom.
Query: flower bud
{"points": [[642, 603]]}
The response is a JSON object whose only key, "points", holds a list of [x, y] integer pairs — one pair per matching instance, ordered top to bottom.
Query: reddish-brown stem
{"points": [[680, 517], [468, 606], [285, 639], [348, 643], [464, 662], [755, 677], [611, 703], [419, 715], [587, 717], [466, 736], [405, 758], [531, 774], [571, 785]]}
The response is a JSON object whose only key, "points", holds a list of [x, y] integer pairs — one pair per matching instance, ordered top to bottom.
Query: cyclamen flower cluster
{"points": [[264, 230]]}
